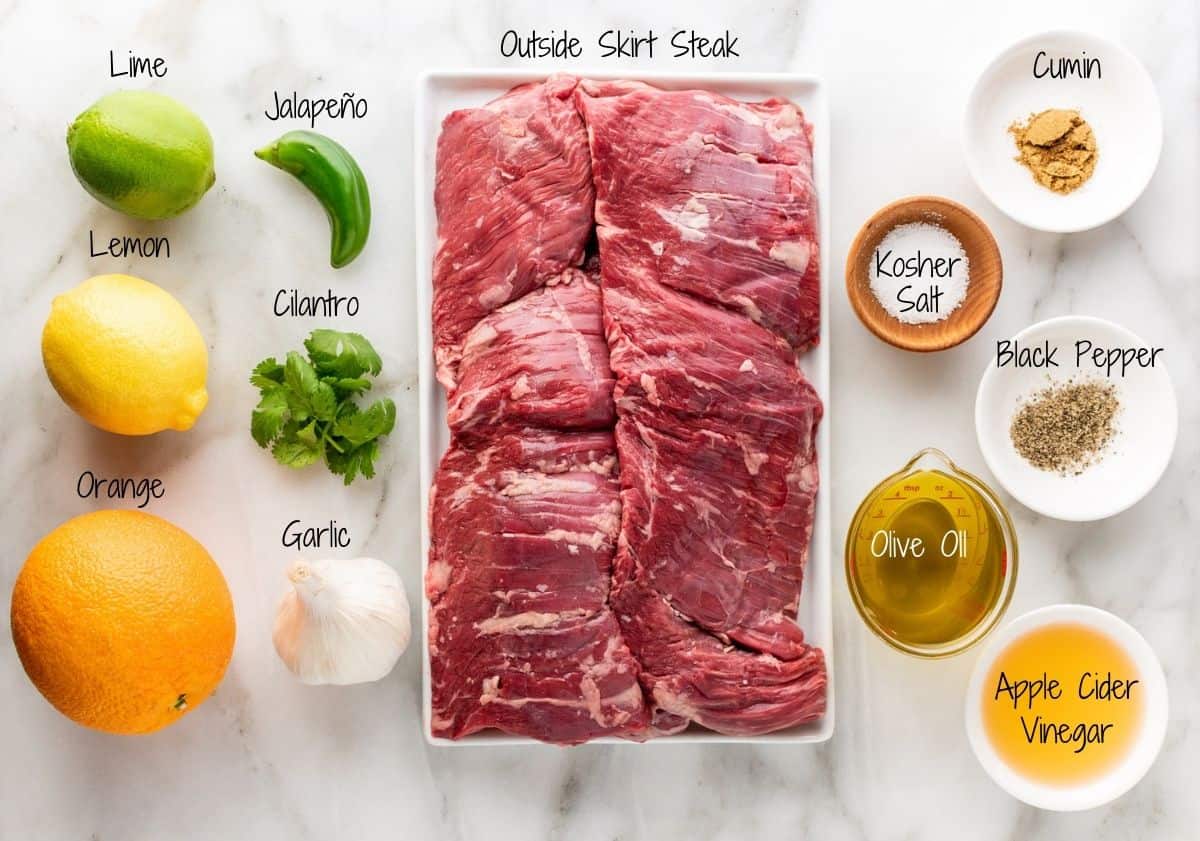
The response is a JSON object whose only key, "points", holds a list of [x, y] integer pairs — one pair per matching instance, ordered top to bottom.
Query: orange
{"points": [[122, 621]]}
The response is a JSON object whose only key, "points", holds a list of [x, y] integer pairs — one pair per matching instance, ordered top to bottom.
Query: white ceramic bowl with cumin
{"points": [[1121, 105], [1146, 423], [1126, 774]]}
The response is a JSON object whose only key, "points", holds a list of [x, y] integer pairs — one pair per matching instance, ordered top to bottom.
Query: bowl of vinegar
{"points": [[1067, 708]]}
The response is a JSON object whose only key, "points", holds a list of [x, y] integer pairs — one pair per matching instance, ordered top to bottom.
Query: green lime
{"points": [[142, 153]]}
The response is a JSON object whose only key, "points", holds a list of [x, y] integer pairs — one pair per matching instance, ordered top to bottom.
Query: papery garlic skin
{"points": [[343, 621]]}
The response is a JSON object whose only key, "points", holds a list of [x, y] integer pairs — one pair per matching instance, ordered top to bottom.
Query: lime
{"points": [[142, 153]]}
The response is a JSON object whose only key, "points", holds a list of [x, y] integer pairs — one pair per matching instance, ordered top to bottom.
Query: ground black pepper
{"points": [[1066, 427]]}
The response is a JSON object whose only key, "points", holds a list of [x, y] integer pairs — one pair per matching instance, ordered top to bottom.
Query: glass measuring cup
{"points": [[931, 558]]}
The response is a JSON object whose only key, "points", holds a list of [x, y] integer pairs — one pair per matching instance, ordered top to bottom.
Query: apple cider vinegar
{"points": [[1062, 704]]}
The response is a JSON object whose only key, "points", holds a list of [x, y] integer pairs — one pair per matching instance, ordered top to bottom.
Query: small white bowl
{"points": [[1121, 106], [1147, 424], [1141, 756]]}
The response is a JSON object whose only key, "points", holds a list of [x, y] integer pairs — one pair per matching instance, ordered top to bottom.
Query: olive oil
{"points": [[930, 558], [1063, 704]]}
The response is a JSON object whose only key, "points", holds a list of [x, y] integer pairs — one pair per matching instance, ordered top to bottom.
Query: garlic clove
{"points": [[342, 621]]}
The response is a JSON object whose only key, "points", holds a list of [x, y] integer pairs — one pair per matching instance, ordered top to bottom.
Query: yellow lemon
{"points": [[126, 356]]}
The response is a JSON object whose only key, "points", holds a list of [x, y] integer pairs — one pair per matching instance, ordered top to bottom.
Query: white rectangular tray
{"points": [[440, 92]]}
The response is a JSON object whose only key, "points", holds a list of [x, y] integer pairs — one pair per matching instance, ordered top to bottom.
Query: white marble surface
{"points": [[269, 759]]}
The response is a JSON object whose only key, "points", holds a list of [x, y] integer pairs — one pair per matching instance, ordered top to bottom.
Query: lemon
{"points": [[142, 153], [126, 356]]}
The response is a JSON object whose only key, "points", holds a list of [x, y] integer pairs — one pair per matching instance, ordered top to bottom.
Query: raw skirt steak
{"points": [[513, 195], [711, 196], [706, 220], [540, 361], [716, 438], [620, 526], [520, 634], [690, 675]]}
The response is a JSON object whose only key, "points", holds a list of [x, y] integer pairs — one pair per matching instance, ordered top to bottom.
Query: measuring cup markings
{"points": [[933, 581]]}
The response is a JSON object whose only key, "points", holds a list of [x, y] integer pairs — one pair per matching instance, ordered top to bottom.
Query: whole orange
{"points": [[122, 621]]}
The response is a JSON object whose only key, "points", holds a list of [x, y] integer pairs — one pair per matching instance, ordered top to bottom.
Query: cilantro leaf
{"points": [[340, 354], [267, 374], [299, 374], [343, 387], [308, 397], [306, 412], [266, 422], [361, 427], [308, 434], [295, 453], [364, 458], [354, 461], [339, 462]]}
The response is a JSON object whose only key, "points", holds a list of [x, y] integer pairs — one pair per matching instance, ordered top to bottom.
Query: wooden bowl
{"points": [[983, 288]]}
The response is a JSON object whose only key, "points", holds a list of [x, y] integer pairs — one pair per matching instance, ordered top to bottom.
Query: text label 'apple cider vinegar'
{"points": [[1062, 704]]}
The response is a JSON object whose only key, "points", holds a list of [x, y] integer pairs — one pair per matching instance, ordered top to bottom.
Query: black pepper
{"points": [[1066, 428]]}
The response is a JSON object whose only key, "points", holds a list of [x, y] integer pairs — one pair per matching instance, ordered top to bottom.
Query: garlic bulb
{"points": [[343, 621]]}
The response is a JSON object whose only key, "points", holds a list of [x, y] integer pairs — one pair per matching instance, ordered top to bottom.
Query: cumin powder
{"points": [[1058, 147]]}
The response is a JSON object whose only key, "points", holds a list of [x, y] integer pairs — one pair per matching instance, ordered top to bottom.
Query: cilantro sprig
{"points": [[307, 411]]}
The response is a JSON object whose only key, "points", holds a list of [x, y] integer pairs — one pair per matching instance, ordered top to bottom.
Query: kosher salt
{"points": [[919, 273]]}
